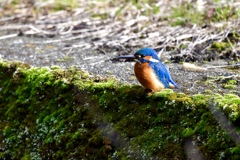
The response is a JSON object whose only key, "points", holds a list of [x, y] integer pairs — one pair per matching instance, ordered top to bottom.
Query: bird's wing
{"points": [[163, 74]]}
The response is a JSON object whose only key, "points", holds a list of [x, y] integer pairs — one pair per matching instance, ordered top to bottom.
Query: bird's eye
{"points": [[140, 56]]}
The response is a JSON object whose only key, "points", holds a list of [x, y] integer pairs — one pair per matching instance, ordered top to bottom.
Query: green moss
{"points": [[65, 4], [188, 13], [224, 13], [185, 14], [220, 45], [232, 81], [229, 86], [208, 91], [164, 93], [230, 105], [65, 114], [188, 132], [235, 150]]}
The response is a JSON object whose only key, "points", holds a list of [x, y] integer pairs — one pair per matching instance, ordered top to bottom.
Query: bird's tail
{"points": [[172, 84]]}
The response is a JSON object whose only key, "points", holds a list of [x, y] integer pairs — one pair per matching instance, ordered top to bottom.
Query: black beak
{"points": [[127, 57]]}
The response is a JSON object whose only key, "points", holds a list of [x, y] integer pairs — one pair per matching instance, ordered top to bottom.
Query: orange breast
{"points": [[147, 77]]}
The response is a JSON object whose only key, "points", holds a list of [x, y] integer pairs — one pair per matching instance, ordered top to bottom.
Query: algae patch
{"points": [[50, 113]]}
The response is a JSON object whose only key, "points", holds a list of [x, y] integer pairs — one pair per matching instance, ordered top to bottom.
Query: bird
{"points": [[150, 71]]}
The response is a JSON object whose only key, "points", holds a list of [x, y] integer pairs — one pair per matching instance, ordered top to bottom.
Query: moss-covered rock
{"points": [[50, 113]]}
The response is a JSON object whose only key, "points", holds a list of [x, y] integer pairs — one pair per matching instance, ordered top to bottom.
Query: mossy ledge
{"points": [[50, 113]]}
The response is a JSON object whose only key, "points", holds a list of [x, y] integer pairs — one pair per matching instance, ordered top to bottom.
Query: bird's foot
{"points": [[148, 91]]}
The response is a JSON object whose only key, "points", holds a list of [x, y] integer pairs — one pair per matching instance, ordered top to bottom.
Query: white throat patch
{"points": [[136, 60], [153, 60]]}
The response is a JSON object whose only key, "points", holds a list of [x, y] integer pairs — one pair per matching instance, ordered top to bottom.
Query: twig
{"points": [[5, 19], [14, 27], [9, 36], [224, 66]]}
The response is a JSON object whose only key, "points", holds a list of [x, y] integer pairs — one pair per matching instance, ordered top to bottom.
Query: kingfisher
{"points": [[150, 71]]}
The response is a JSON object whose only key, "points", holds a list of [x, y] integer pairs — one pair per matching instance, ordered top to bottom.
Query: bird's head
{"points": [[147, 54], [143, 55]]}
